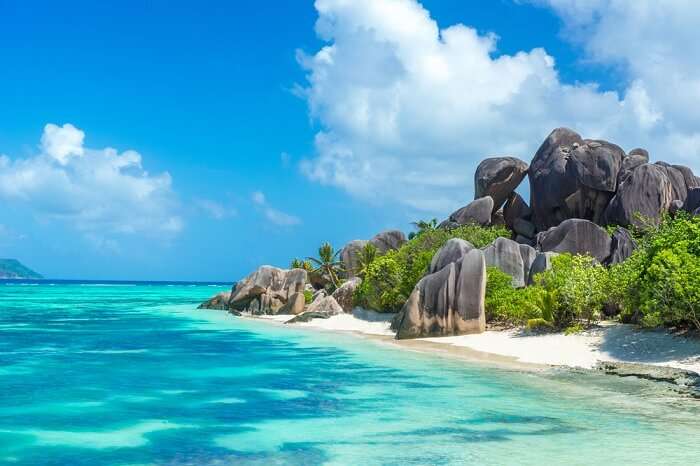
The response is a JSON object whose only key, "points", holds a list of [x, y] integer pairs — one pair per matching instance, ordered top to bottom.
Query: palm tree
{"points": [[423, 226], [365, 257], [300, 264], [327, 264]]}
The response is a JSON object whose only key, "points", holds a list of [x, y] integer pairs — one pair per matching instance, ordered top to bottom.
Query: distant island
{"points": [[14, 269]]}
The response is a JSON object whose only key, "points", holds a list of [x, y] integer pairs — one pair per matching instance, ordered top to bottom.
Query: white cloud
{"points": [[407, 110], [62, 142], [96, 191], [214, 209], [273, 215]]}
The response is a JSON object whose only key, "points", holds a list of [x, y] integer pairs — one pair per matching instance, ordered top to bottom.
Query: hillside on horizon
{"points": [[14, 269]]}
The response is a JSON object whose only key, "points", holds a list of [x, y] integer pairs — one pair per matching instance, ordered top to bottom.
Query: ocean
{"points": [[133, 374]]}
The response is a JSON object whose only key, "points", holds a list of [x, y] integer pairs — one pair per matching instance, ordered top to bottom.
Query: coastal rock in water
{"points": [[498, 177], [647, 192], [516, 208], [476, 212], [576, 236], [388, 240], [623, 245], [452, 251], [505, 254], [349, 256], [542, 262], [267, 289], [345, 293], [218, 301], [447, 302]]}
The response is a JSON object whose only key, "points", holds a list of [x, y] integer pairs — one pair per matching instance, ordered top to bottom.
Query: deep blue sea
{"points": [[133, 374]]}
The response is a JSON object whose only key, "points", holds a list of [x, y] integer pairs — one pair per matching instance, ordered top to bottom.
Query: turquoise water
{"points": [[133, 375]]}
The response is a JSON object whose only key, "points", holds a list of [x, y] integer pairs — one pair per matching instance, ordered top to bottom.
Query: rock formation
{"points": [[497, 177], [647, 192], [476, 212], [576, 236], [384, 242], [453, 250], [506, 255], [267, 290], [344, 294], [447, 302]]}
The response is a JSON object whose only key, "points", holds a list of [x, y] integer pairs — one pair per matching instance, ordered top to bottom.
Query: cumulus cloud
{"points": [[407, 109], [96, 191], [273, 215]]}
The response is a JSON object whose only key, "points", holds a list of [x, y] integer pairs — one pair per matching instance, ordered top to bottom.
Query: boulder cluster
{"points": [[577, 187], [272, 290]]}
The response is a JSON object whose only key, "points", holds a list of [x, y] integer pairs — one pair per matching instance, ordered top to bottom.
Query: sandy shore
{"points": [[608, 342]]}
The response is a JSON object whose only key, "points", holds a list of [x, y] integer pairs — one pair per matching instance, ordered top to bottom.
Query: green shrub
{"points": [[390, 279], [660, 283], [575, 288], [308, 296], [507, 304], [539, 324]]}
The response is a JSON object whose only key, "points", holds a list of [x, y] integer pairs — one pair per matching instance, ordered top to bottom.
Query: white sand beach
{"points": [[608, 342]]}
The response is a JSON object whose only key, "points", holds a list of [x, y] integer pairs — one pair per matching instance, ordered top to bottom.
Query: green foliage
{"points": [[301, 264], [327, 264], [390, 279], [660, 283], [574, 289], [308, 296], [507, 304], [574, 329]]}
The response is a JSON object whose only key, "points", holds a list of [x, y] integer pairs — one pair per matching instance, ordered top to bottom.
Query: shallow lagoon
{"points": [[127, 375]]}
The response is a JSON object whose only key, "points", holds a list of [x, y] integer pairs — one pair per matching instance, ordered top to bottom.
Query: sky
{"points": [[173, 140]]}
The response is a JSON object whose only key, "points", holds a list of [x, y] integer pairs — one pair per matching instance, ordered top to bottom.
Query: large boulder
{"points": [[498, 177], [572, 177], [691, 181], [679, 190], [647, 192], [692, 202], [516, 208], [476, 212], [524, 228], [576, 236], [388, 240], [622, 247], [452, 251], [529, 254], [505, 255], [349, 256], [542, 263], [267, 290], [345, 293], [447, 302], [295, 304], [325, 304]]}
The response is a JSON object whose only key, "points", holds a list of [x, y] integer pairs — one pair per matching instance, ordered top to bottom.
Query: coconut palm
{"points": [[423, 226], [365, 257], [300, 264], [327, 264]]}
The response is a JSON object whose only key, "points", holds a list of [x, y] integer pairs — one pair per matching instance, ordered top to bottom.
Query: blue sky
{"points": [[253, 146]]}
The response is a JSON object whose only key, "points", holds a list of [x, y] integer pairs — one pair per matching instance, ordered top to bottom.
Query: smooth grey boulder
{"points": [[634, 159], [675, 176], [498, 177], [572, 177], [550, 181], [691, 181], [646, 192], [692, 202], [516, 208], [476, 212], [524, 228], [576, 236], [388, 240], [622, 247], [452, 251], [529, 254], [505, 255], [349, 256], [542, 262], [267, 290], [345, 293], [218, 301], [448, 302], [295, 304], [325, 304]]}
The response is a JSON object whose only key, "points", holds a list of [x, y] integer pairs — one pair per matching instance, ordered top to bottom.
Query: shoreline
{"points": [[610, 348]]}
